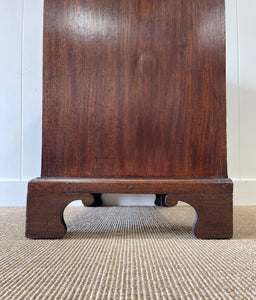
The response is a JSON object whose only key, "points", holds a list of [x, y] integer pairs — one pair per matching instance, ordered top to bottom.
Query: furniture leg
{"points": [[97, 200], [160, 200], [45, 213], [214, 214]]}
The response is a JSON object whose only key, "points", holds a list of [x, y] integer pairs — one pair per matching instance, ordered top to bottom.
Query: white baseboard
{"points": [[244, 192], [13, 193]]}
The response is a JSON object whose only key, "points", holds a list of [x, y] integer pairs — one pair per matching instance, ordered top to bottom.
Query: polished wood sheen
{"points": [[134, 89], [134, 101]]}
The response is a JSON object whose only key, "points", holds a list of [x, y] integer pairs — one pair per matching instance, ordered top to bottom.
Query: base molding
{"points": [[131, 186], [13, 193], [211, 198]]}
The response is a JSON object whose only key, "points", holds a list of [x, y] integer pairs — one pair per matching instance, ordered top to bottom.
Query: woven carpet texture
{"points": [[127, 253]]}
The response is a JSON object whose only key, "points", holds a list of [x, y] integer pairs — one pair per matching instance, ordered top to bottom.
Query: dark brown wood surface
{"points": [[134, 88], [134, 101], [146, 186], [47, 199], [214, 213], [44, 217]]}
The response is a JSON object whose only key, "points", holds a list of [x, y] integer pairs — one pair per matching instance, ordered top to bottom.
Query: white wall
{"points": [[21, 100]]}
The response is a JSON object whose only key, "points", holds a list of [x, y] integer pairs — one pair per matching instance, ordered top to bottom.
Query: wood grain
{"points": [[134, 89], [134, 101], [143, 186], [47, 199], [214, 213], [44, 217]]}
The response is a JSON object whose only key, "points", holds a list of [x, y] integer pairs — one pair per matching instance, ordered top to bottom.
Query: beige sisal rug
{"points": [[127, 253]]}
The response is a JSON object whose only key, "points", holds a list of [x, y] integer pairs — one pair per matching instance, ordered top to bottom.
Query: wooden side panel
{"points": [[134, 88]]}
